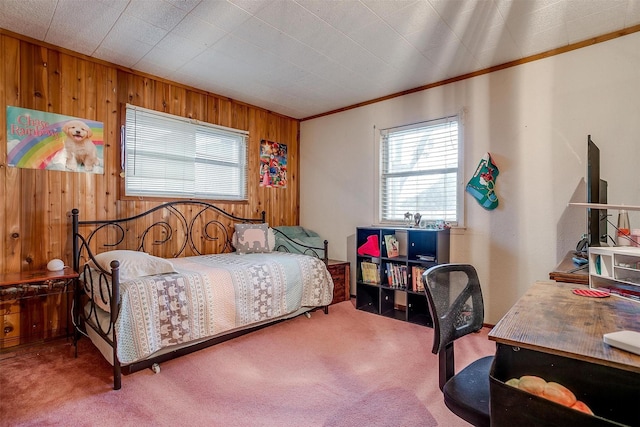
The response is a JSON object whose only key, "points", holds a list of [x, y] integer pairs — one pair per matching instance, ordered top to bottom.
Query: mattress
{"points": [[208, 296]]}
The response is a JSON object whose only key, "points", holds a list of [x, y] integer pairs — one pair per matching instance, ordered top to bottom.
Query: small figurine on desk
{"points": [[416, 219]]}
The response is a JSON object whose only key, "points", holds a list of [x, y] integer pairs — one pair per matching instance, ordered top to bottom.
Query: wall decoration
{"points": [[42, 140], [273, 164], [482, 184]]}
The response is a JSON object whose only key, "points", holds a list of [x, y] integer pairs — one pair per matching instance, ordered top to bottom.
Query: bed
{"points": [[186, 275]]}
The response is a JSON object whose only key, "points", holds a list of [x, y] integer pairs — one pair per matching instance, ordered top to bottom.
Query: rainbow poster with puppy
{"points": [[42, 140]]}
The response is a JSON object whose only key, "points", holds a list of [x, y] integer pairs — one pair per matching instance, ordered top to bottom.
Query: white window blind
{"points": [[171, 156], [419, 171]]}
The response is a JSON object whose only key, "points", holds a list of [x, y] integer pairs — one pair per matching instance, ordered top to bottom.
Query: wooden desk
{"points": [[568, 271], [551, 319], [553, 333]]}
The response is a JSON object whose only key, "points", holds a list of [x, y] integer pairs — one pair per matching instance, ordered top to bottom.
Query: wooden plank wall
{"points": [[36, 204]]}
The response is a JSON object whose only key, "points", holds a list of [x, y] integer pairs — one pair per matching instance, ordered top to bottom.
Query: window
{"points": [[174, 157], [419, 171]]}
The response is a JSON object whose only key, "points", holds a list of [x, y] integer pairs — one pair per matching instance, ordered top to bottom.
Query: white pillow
{"points": [[134, 264]]}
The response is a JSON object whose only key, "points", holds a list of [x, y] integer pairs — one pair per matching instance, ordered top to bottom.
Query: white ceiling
{"points": [[300, 58]]}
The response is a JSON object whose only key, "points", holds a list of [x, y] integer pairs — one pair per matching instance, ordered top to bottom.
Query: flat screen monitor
{"points": [[596, 193]]}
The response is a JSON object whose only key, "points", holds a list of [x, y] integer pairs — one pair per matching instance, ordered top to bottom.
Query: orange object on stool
{"points": [[371, 247]]}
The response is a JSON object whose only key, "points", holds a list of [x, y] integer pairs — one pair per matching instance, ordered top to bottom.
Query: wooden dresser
{"points": [[340, 273]]}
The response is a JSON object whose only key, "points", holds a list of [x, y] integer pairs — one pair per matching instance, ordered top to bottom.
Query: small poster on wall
{"points": [[42, 140], [273, 164]]}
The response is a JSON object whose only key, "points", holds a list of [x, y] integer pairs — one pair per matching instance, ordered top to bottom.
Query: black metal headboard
{"points": [[169, 230]]}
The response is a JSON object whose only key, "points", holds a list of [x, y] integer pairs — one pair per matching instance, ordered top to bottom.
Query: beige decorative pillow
{"points": [[251, 238], [271, 239], [133, 264]]}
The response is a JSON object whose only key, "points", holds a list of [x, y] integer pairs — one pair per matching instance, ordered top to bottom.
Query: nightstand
{"points": [[340, 273], [35, 305]]}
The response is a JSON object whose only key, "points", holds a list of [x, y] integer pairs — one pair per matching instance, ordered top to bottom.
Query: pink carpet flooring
{"points": [[347, 368]]}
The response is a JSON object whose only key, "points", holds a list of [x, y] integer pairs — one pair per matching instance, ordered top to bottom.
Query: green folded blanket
{"points": [[298, 234]]}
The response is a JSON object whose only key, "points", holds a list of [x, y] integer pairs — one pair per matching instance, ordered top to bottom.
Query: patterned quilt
{"points": [[212, 294]]}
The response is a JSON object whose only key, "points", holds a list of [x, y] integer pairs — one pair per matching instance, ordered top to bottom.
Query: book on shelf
{"points": [[391, 242], [370, 272], [397, 275], [405, 276], [391, 278], [417, 285]]}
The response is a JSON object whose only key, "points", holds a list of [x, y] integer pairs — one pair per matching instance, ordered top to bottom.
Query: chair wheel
{"points": [[155, 368]]}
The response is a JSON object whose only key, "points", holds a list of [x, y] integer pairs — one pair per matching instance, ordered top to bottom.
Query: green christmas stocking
{"points": [[482, 184]]}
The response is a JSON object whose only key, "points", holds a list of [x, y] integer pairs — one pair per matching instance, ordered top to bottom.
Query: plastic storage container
{"points": [[635, 237]]}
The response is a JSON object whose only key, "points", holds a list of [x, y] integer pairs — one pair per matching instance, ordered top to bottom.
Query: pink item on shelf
{"points": [[371, 247]]}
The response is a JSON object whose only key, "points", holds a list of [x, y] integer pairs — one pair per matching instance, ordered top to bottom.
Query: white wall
{"points": [[534, 120]]}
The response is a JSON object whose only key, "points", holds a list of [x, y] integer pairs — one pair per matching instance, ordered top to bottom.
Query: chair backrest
{"points": [[455, 301]]}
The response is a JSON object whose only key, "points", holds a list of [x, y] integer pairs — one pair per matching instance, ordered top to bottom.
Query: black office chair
{"points": [[455, 302]]}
